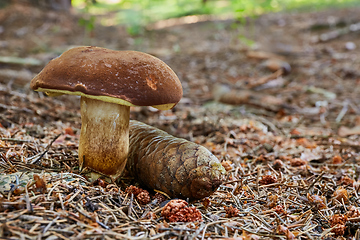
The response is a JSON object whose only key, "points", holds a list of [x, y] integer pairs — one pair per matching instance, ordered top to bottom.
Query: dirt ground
{"points": [[281, 114]]}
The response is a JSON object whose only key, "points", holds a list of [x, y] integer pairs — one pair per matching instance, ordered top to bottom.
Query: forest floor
{"points": [[282, 114]]}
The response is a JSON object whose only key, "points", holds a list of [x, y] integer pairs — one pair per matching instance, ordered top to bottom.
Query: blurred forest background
{"points": [[136, 14], [270, 88]]}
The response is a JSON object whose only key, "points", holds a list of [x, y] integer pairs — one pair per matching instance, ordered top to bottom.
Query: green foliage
{"points": [[309, 5], [244, 8], [135, 14], [133, 19], [88, 22], [134, 22], [246, 41]]}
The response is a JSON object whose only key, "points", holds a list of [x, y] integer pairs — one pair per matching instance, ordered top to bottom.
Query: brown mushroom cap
{"points": [[125, 77]]}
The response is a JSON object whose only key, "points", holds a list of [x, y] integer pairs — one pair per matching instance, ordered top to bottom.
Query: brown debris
{"points": [[261, 55], [274, 65], [239, 97], [345, 131], [306, 143], [261, 159], [337, 159], [296, 162], [278, 164], [228, 165], [268, 179], [345, 180], [101, 182], [40, 184], [133, 189], [140, 194], [341, 195], [143, 197], [159, 197], [272, 200], [317, 201], [279, 209], [178, 211], [231, 211], [353, 212], [338, 223], [285, 231]]}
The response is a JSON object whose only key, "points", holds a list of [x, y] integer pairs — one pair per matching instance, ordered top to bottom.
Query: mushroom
{"points": [[109, 83]]}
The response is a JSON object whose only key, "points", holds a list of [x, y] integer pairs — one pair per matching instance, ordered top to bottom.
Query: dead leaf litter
{"points": [[285, 130]]}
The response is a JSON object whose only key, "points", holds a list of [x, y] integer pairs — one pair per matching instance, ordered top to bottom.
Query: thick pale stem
{"points": [[104, 138]]}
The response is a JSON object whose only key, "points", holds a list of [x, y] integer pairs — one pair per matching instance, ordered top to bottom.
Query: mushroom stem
{"points": [[104, 137]]}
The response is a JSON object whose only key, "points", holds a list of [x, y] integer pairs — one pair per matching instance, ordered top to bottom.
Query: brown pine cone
{"points": [[180, 168]]}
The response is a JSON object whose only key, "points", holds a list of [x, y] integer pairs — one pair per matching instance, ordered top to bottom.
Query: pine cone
{"points": [[180, 168]]}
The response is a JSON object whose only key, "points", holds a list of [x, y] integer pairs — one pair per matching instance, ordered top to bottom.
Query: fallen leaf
{"points": [[345, 131]]}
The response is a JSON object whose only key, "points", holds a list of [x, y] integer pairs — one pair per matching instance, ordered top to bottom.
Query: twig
{"points": [[338, 32], [16, 108], [342, 112], [15, 140], [47, 149], [315, 181], [61, 201], [28, 203], [89, 217], [261, 220], [51, 223], [212, 223], [197, 232]]}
